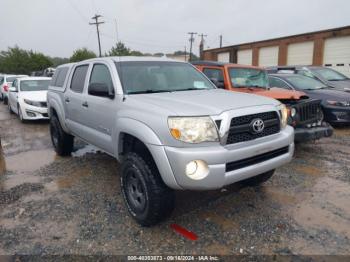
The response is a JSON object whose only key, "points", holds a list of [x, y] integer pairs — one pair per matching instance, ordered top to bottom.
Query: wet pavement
{"points": [[73, 205]]}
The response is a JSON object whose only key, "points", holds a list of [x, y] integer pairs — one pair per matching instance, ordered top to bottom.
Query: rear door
{"points": [[74, 99]]}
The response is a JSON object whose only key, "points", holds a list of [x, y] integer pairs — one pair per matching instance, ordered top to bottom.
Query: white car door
{"points": [[13, 96]]}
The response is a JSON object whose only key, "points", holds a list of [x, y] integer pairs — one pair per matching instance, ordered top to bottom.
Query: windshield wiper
{"points": [[338, 79], [257, 86], [190, 89], [149, 91]]}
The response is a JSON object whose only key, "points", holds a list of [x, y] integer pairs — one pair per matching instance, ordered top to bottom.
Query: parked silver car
{"points": [[169, 126]]}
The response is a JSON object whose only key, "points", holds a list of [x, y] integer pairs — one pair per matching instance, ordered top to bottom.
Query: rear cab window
{"points": [[78, 78]]}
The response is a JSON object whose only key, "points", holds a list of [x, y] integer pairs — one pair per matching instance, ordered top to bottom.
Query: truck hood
{"points": [[277, 93], [38, 96], [199, 102]]}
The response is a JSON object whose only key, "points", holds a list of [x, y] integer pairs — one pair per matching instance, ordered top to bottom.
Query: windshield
{"points": [[329, 74], [155, 77], [248, 77], [11, 79], [304, 82], [34, 85]]}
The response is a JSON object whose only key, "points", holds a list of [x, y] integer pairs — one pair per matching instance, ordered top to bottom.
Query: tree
{"points": [[119, 49], [82, 54], [19, 61], [56, 61]]}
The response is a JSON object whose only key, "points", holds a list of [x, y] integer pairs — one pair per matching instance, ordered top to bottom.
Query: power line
{"points": [[71, 3], [97, 23], [191, 42]]}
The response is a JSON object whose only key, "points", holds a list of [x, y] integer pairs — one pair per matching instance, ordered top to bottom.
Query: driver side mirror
{"points": [[217, 83], [13, 89], [101, 90]]}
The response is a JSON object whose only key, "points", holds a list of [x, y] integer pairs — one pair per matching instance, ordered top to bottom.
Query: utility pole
{"points": [[97, 23], [220, 41], [191, 42], [185, 54]]}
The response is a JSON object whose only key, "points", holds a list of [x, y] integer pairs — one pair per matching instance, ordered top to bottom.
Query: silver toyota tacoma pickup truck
{"points": [[168, 126]]}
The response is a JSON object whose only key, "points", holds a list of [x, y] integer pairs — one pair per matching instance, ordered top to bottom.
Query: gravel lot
{"points": [[73, 205]]}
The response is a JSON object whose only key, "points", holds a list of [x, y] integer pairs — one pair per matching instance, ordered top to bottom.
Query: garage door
{"points": [[300, 53], [337, 54], [268, 56], [224, 57], [245, 57]]}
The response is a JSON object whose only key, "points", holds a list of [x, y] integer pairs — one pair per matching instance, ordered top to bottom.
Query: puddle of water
{"points": [[88, 149], [29, 161], [309, 170], [18, 179], [68, 181], [280, 196], [328, 208]]}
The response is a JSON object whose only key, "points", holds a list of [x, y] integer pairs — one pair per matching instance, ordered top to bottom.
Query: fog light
{"points": [[30, 114], [197, 169]]}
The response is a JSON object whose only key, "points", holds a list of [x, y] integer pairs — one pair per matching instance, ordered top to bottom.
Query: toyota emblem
{"points": [[258, 125]]}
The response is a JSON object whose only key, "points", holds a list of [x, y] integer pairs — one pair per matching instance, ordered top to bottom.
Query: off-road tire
{"points": [[61, 141], [258, 180], [157, 201]]}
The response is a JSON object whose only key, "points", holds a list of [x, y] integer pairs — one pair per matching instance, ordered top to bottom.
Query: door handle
{"points": [[67, 100], [85, 104]]}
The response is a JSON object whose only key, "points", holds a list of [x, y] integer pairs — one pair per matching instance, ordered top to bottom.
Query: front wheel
{"points": [[20, 114], [61, 141], [258, 180], [148, 199]]}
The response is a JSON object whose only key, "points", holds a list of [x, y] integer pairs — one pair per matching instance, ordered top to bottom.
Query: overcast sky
{"points": [[57, 27]]}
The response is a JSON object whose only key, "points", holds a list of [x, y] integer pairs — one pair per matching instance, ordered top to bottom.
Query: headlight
{"points": [[32, 103], [338, 103], [293, 112], [284, 115], [193, 129]]}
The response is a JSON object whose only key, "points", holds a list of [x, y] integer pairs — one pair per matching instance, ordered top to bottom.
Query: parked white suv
{"points": [[169, 126]]}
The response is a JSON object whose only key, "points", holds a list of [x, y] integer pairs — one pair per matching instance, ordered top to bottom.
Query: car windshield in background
{"points": [[329, 74], [156, 77], [248, 77], [10, 79], [306, 83], [34, 85]]}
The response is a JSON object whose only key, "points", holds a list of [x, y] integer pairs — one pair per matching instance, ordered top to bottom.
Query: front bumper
{"points": [[34, 113], [335, 114], [313, 133], [217, 157]]}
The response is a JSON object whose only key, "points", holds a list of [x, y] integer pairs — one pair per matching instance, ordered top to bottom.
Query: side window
{"points": [[214, 73], [305, 73], [100, 75], [61, 76], [54, 77], [78, 79], [1, 80], [275, 82], [14, 83]]}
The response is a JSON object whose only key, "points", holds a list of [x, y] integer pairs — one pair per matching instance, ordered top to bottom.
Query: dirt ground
{"points": [[73, 205]]}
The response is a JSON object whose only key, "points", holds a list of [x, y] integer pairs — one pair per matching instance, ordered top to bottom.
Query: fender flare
{"points": [[58, 107]]}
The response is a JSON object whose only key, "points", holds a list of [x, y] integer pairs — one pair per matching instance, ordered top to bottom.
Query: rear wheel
{"points": [[5, 99], [61, 141], [258, 180], [147, 198]]}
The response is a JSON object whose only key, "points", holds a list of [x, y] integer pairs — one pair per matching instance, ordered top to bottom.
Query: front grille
{"points": [[43, 104], [308, 111], [45, 115], [240, 127], [256, 159]]}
